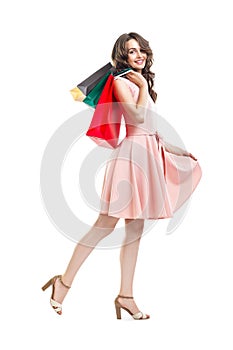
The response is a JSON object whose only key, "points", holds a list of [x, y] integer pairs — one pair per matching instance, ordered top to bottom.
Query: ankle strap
{"points": [[60, 278], [122, 296]]}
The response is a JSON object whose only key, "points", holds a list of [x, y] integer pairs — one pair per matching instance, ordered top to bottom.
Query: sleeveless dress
{"points": [[142, 180]]}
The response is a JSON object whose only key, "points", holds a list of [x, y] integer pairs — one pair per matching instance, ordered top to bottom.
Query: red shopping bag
{"points": [[104, 128]]}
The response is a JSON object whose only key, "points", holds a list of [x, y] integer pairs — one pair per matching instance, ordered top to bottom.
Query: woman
{"points": [[140, 160]]}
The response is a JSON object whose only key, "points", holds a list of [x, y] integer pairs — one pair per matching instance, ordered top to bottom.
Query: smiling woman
{"points": [[131, 50], [136, 56], [145, 178]]}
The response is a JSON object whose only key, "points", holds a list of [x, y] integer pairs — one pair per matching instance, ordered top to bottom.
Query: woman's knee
{"points": [[106, 221], [134, 225]]}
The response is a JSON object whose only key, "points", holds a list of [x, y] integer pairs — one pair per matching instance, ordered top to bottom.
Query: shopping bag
{"points": [[89, 83], [86, 86], [90, 89], [77, 94], [93, 97], [105, 125]]}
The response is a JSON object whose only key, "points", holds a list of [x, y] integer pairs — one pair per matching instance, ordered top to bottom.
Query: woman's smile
{"points": [[136, 56], [140, 61]]}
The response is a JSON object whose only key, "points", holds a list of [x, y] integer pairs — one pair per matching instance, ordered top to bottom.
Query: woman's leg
{"points": [[103, 226], [128, 259]]}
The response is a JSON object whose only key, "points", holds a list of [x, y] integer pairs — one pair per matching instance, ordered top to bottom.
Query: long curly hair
{"points": [[120, 57]]}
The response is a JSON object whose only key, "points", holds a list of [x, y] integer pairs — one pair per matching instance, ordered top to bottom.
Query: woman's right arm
{"points": [[135, 110]]}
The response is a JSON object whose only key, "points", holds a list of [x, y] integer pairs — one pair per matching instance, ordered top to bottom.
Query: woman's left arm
{"points": [[177, 150]]}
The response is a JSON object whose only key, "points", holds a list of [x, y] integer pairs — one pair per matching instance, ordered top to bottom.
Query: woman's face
{"points": [[136, 56]]}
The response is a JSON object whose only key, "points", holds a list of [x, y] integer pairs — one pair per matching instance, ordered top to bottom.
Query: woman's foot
{"points": [[60, 290], [127, 303]]}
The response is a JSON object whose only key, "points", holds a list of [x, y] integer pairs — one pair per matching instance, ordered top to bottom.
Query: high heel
{"points": [[55, 305], [138, 316]]}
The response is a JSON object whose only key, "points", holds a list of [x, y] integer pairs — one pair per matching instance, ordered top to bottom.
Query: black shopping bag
{"points": [[89, 83]]}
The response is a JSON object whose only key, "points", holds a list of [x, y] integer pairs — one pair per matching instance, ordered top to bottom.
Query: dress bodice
{"points": [[149, 126]]}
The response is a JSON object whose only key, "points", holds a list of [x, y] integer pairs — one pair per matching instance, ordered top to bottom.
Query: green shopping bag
{"points": [[93, 97]]}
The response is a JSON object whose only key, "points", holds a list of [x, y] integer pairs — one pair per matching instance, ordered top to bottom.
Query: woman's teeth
{"points": [[139, 61]]}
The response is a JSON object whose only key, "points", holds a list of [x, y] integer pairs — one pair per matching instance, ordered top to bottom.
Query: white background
{"points": [[184, 280]]}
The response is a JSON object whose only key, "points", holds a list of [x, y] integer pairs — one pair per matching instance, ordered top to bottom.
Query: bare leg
{"points": [[103, 227], [128, 259]]}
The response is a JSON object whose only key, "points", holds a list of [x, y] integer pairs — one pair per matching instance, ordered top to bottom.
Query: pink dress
{"points": [[142, 180]]}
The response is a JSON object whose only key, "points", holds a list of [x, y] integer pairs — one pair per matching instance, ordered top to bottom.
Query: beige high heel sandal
{"points": [[55, 305], [138, 316]]}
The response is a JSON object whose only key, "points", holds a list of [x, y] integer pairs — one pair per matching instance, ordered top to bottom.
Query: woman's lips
{"points": [[139, 61]]}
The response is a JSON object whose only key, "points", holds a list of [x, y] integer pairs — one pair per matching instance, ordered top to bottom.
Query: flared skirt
{"points": [[144, 181]]}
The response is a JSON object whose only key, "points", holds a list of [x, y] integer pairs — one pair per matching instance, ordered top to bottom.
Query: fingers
{"points": [[137, 78], [189, 155], [194, 158]]}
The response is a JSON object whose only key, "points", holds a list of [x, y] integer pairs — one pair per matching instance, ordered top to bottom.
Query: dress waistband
{"points": [[145, 133], [128, 134]]}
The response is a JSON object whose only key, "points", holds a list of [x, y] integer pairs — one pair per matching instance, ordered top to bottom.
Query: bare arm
{"points": [[136, 110], [177, 150]]}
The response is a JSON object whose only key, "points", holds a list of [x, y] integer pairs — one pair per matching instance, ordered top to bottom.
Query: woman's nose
{"points": [[139, 54]]}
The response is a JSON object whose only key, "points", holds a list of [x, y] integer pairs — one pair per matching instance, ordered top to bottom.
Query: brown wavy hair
{"points": [[120, 57]]}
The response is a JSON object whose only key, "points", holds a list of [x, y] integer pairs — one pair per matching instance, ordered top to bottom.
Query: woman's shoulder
{"points": [[125, 80], [133, 87]]}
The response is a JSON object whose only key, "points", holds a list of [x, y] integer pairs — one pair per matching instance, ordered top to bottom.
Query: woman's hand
{"points": [[137, 79], [178, 151], [187, 154], [191, 156]]}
